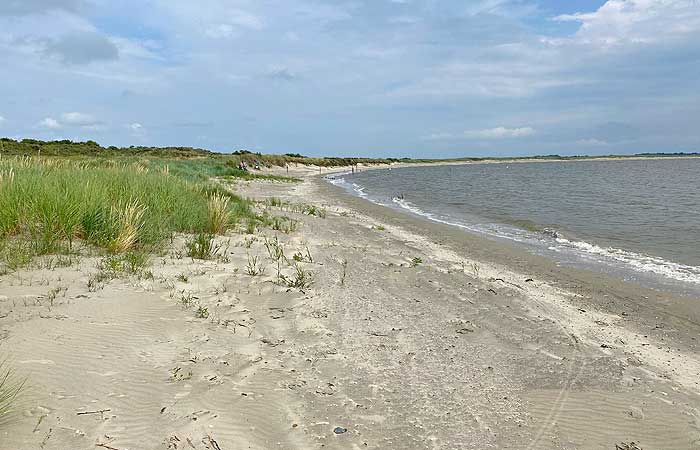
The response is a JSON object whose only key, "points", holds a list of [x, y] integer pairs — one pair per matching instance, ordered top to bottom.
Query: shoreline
{"points": [[509, 256], [682, 280], [410, 334]]}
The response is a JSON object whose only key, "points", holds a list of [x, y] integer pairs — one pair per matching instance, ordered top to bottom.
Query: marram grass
{"points": [[48, 205], [219, 215], [10, 387]]}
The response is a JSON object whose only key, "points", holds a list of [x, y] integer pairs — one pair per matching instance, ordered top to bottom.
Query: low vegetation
{"points": [[67, 148], [50, 206], [202, 246], [416, 261], [301, 278]]}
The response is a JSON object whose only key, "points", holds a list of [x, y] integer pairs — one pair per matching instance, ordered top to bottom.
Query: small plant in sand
{"points": [[275, 202], [313, 210], [219, 216], [283, 223], [251, 225], [290, 226], [379, 228], [202, 246], [275, 251], [304, 256], [134, 262], [415, 262], [130, 263], [254, 266], [475, 269], [343, 271], [146, 275], [182, 278], [301, 279], [54, 292], [187, 299], [202, 312], [177, 374], [10, 387]]}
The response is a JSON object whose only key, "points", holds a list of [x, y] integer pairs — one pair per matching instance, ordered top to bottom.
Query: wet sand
{"points": [[413, 335]]}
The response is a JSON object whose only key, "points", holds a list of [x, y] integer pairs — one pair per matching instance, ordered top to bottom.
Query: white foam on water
{"points": [[339, 180], [551, 240], [609, 255], [637, 261]]}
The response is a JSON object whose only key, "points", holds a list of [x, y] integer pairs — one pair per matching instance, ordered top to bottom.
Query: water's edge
{"points": [[648, 270]]}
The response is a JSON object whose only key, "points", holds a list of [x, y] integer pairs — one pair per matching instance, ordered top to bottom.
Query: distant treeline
{"points": [[34, 147], [67, 148]]}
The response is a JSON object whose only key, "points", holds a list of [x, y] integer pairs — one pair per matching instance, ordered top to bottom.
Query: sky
{"points": [[417, 78]]}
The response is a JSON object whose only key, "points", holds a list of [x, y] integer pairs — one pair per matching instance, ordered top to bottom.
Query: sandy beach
{"points": [[411, 335]]}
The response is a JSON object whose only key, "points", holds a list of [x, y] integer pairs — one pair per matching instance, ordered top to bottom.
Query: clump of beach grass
{"points": [[219, 215], [129, 219], [202, 246], [254, 267], [301, 278], [10, 387]]}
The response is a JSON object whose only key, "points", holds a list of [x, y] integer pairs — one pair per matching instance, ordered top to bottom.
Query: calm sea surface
{"points": [[639, 219]]}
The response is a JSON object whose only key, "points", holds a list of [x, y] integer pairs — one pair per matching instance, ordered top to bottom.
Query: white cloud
{"points": [[636, 21], [2, 119], [72, 119], [78, 119], [50, 123], [137, 130], [487, 133], [500, 133], [439, 136], [592, 142]]}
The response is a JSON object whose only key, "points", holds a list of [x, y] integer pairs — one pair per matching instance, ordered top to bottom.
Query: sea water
{"points": [[635, 218]]}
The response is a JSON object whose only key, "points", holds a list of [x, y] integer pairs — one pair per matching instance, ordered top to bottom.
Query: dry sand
{"points": [[478, 346]]}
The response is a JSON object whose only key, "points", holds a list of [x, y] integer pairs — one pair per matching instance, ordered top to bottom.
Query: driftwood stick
{"points": [[100, 411], [105, 446]]}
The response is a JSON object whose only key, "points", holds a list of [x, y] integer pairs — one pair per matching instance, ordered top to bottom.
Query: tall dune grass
{"points": [[47, 205], [219, 215], [10, 387]]}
